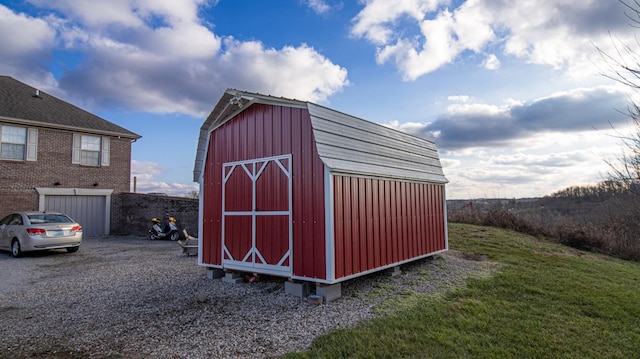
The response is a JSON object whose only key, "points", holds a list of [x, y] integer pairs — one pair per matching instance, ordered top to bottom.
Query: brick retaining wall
{"points": [[135, 210]]}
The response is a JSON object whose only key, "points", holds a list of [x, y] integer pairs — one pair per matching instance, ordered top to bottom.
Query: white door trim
{"points": [[253, 259]]}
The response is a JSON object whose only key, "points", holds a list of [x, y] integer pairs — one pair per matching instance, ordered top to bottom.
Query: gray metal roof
{"points": [[19, 103], [345, 144]]}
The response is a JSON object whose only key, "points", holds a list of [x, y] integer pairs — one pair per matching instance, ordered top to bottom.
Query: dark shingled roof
{"points": [[20, 104]]}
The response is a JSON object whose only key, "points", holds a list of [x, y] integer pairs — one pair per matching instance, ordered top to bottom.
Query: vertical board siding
{"points": [[265, 131], [273, 187], [381, 222], [238, 228], [270, 238]]}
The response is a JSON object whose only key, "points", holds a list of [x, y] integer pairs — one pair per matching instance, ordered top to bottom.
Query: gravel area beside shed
{"points": [[128, 297]]}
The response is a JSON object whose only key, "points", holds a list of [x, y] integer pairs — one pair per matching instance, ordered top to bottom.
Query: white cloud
{"points": [[319, 6], [94, 13], [125, 13], [375, 20], [532, 31], [40, 36], [444, 38], [171, 40], [26, 43], [159, 56], [491, 62], [296, 72], [459, 98], [476, 109], [561, 120], [467, 123], [408, 127], [526, 149], [546, 160], [450, 163], [532, 167], [146, 171], [520, 173], [144, 175]]}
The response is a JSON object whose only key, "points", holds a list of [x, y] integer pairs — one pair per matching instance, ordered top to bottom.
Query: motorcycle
{"points": [[167, 231]]}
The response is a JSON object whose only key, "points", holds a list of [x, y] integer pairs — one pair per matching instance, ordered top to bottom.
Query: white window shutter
{"points": [[32, 144], [77, 145], [106, 151]]}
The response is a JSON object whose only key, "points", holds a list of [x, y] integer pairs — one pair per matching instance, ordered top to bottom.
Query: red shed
{"points": [[294, 189]]}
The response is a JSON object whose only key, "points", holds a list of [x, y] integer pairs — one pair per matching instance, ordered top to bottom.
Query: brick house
{"points": [[56, 156]]}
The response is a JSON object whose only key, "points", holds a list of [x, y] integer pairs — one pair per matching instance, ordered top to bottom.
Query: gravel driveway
{"points": [[127, 297]]}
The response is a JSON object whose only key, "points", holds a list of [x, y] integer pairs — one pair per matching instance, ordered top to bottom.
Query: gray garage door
{"points": [[89, 211]]}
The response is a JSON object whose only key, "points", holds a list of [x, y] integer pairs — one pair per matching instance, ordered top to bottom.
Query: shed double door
{"points": [[256, 215]]}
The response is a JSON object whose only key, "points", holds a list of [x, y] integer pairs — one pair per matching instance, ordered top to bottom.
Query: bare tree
{"points": [[624, 67], [626, 167], [193, 194], [622, 228]]}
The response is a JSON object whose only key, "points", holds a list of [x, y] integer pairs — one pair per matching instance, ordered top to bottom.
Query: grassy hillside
{"points": [[602, 217], [545, 301]]}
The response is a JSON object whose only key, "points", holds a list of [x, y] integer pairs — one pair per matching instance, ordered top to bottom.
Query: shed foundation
{"points": [[393, 271], [215, 273], [232, 277], [297, 289], [329, 292]]}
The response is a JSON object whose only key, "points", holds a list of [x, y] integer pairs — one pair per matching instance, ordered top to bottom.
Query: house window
{"points": [[14, 142], [18, 143], [90, 150]]}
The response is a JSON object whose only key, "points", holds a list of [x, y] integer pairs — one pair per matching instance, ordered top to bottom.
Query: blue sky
{"points": [[512, 92]]}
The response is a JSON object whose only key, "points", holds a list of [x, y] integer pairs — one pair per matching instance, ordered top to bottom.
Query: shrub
{"points": [[609, 224]]}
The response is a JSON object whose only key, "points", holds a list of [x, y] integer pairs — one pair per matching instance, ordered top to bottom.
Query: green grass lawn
{"points": [[545, 301]]}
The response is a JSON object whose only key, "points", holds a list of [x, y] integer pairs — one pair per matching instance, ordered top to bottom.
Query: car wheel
{"points": [[175, 236], [72, 249], [16, 252]]}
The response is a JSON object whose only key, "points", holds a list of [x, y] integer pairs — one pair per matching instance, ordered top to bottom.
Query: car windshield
{"points": [[49, 218]]}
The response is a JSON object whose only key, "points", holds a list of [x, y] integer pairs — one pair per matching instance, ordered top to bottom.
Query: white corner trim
{"points": [[201, 222], [329, 239]]}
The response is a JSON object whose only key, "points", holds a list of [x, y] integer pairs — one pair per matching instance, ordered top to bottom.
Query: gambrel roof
{"points": [[23, 104], [345, 144]]}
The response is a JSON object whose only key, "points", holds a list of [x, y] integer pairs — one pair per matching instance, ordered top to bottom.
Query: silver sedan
{"points": [[35, 231]]}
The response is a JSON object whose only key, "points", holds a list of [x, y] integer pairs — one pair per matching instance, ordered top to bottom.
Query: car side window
{"points": [[5, 220], [16, 220]]}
